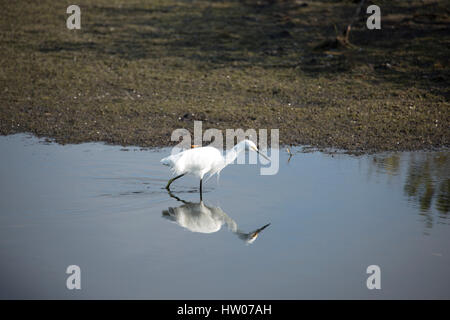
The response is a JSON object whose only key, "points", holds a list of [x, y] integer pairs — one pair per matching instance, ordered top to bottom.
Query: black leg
{"points": [[172, 180], [201, 180], [176, 198]]}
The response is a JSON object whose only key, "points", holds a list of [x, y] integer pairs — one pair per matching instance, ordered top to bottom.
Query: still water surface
{"points": [[105, 209]]}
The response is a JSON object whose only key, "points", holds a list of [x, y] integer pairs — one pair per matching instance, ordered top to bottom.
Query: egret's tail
{"points": [[167, 161], [171, 161]]}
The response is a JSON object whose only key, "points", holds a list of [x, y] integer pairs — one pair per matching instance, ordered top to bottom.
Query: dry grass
{"points": [[139, 69]]}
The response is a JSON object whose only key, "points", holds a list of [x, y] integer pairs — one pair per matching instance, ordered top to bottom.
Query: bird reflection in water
{"points": [[198, 217]]}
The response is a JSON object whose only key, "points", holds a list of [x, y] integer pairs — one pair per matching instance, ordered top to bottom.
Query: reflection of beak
{"points": [[194, 146], [264, 156], [262, 228], [255, 234]]}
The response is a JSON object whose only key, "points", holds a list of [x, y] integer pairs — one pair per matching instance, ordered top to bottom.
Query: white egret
{"points": [[204, 160]]}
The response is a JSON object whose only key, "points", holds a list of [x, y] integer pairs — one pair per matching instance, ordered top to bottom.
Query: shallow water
{"points": [[106, 210]]}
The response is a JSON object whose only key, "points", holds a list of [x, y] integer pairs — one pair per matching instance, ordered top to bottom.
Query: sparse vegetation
{"points": [[139, 69]]}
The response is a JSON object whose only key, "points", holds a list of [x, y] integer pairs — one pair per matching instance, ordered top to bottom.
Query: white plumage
{"points": [[204, 160], [196, 161], [198, 217]]}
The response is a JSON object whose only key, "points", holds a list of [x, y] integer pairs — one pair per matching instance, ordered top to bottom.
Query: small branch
{"points": [[354, 19], [342, 40]]}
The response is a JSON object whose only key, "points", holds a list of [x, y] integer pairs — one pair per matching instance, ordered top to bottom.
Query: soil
{"points": [[137, 70]]}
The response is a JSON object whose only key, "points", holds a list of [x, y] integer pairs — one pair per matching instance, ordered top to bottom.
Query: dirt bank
{"points": [[139, 69]]}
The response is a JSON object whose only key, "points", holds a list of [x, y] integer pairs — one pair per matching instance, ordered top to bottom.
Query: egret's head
{"points": [[250, 145]]}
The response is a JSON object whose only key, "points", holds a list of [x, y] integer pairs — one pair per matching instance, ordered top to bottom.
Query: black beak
{"points": [[264, 156]]}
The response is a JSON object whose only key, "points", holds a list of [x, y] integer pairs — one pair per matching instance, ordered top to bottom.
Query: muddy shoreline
{"points": [[137, 71]]}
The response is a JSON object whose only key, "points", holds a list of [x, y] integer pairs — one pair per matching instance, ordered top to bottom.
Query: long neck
{"points": [[233, 153]]}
